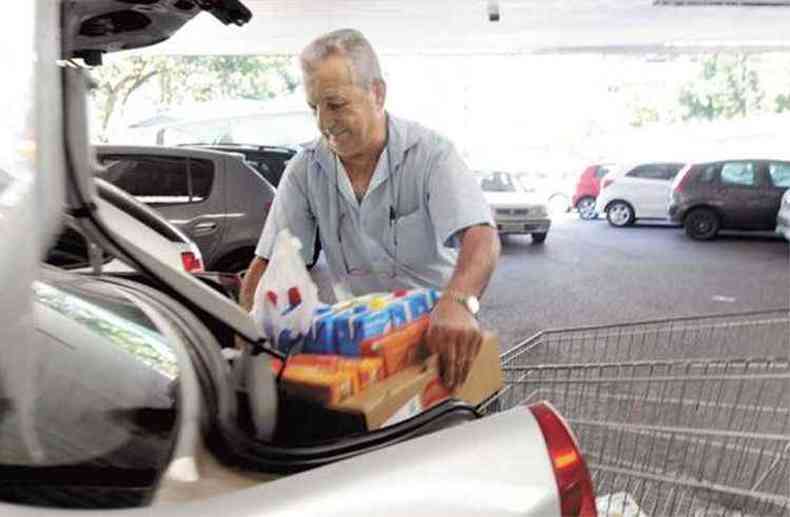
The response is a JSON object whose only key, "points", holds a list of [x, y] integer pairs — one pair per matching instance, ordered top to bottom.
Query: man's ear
{"points": [[379, 93]]}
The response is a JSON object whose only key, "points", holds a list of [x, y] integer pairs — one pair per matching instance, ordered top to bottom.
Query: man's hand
{"points": [[454, 334]]}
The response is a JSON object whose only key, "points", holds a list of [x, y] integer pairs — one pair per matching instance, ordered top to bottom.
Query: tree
{"points": [[177, 79], [727, 87]]}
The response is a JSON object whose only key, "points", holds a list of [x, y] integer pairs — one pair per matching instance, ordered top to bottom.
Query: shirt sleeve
{"points": [[455, 199], [291, 209]]}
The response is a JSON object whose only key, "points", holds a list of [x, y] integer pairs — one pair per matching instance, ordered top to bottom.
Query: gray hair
{"points": [[349, 43]]}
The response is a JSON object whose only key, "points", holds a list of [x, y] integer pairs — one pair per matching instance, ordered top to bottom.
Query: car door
{"points": [[777, 181], [185, 190], [649, 190], [740, 194]]}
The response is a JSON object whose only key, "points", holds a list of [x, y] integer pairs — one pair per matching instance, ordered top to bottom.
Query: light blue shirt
{"points": [[369, 246]]}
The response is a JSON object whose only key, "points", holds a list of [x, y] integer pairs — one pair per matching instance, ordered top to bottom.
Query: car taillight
{"points": [[682, 179], [607, 182], [192, 262], [577, 497]]}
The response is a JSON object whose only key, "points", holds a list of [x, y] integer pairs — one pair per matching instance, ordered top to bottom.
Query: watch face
{"points": [[473, 304]]}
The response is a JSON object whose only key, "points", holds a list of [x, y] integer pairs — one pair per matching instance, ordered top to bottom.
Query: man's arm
{"points": [[477, 260], [454, 332]]}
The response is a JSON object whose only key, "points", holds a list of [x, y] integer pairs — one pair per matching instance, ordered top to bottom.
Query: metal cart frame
{"points": [[684, 416]]}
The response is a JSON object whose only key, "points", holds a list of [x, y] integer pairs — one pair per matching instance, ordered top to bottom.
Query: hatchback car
{"points": [[587, 189], [636, 192], [742, 194], [216, 198], [514, 209], [73, 251], [116, 392]]}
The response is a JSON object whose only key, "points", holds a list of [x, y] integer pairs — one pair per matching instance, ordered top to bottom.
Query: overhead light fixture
{"points": [[493, 10]]}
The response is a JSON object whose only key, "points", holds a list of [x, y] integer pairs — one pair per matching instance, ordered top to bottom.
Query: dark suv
{"points": [[730, 195], [215, 198]]}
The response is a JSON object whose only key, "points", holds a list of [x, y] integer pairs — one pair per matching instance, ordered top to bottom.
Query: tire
{"points": [[586, 208], [620, 214], [702, 224], [539, 237]]}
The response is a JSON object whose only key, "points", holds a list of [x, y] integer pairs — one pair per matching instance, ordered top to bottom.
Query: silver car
{"points": [[216, 198], [117, 394]]}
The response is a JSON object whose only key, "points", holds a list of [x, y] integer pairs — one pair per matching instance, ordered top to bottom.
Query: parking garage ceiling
{"points": [[463, 26]]}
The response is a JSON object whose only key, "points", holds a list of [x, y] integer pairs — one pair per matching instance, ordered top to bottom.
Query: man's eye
{"points": [[335, 105]]}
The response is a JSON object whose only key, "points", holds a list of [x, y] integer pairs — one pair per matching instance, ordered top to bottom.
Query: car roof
{"points": [[243, 147], [163, 150]]}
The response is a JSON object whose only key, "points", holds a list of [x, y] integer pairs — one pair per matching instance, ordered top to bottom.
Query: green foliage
{"points": [[178, 79], [727, 87], [782, 103]]}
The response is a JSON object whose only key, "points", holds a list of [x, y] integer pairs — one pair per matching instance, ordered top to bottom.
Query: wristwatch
{"points": [[471, 302]]}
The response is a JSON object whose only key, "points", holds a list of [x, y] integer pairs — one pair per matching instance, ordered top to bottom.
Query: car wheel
{"points": [[559, 204], [586, 208], [619, 214], [702, 224], [539, 237]]}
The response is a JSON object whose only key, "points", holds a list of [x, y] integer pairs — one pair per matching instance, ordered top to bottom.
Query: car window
{"points": [[671, 170], [651, 171], [600, 172], [202, 173], [708, 173], [738, 173], [779, 173], [160, 179], [497, 182]]}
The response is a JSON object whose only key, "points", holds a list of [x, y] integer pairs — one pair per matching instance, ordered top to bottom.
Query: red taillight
{"points": [[683, 179], [607, 182], [192, 262], [577, 497]]}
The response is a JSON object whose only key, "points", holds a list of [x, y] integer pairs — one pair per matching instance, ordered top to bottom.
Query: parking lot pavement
{"points": [[588, 273]]}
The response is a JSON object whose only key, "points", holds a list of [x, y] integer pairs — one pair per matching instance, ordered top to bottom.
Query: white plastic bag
{"points": [[286, 296]]}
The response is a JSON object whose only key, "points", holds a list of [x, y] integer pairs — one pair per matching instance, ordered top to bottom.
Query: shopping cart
{"points": [[686, 416]]}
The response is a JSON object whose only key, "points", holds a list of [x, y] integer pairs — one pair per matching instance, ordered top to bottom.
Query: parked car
{"points": [[269, 160], [587, 189], [553, 190], [636, 192], [741, 194], [216, 198], [515, 210], [783, 217], [72, 250], [116, 392]]}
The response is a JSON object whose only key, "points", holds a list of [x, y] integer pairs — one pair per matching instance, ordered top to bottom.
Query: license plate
{"points": [[513, 227]]}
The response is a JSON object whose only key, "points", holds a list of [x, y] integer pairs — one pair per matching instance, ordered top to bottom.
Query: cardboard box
{"points": [[417, 388], [302, 421]]}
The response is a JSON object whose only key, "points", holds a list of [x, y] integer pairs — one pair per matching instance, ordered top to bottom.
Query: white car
{"points": [[637, 192], [515, 210], [783, 217], [116, 395]]}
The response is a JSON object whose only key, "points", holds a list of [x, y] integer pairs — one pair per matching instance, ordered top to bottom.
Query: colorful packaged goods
{"points": [[399, 348], [319, 374]]}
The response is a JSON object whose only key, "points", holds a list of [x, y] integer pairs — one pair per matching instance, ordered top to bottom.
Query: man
{"points": [[395, 205]]}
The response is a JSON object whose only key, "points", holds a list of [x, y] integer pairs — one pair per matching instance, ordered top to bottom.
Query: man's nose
{"points": [[325, 121]]}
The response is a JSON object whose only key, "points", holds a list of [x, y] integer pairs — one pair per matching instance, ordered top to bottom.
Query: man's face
{"points": [[346, 113]]}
